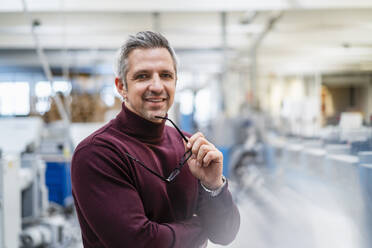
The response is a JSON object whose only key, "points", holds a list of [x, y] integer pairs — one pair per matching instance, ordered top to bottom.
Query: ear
{"points": [[120, 87]]}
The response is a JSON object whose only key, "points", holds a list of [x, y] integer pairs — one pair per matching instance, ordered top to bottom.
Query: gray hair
{"points": [[142, 40]]}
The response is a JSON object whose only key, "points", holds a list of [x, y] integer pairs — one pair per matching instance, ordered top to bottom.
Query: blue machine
{"points": [[58, 181]]}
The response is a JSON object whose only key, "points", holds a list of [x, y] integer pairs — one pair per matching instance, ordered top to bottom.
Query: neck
{"points": [[151, 118], [139, 127]]}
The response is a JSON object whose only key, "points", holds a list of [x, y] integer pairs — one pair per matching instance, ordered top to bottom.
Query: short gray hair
{"points": [[142, 40]]}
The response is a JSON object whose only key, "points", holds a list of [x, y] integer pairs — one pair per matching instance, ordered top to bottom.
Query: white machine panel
{"points": [[17, 132], [10, 211]]}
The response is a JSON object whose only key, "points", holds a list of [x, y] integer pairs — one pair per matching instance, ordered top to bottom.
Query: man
{"points": [[128, 180]]}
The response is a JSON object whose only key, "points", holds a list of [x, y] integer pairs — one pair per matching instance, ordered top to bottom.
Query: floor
{"points": [[288, 210]]}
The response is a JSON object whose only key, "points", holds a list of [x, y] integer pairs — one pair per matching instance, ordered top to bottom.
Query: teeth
{"points": [[155, 100]]}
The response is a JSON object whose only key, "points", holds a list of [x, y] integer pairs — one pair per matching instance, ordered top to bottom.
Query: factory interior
{"points": [[283, 88]]}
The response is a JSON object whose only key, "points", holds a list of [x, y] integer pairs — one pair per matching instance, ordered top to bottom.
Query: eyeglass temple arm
{"points": [[165, 118], [144, 166]]}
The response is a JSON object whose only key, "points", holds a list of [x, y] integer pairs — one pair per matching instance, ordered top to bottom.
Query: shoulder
{"points": [[101, 137], [101, 143], [96, 156]]}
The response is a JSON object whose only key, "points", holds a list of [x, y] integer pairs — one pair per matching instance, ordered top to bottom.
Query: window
{"points": [[62, 86], [43, 89], [43, 92], [14, 98]]}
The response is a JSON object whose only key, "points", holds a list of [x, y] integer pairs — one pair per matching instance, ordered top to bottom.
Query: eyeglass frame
{"points": [[174, 173]]}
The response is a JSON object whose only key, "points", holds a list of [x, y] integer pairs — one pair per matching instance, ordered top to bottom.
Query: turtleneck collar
{"points": [[138, 127]]}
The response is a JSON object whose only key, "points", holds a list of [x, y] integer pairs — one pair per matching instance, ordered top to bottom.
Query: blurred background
{"points": [[282, 87]]}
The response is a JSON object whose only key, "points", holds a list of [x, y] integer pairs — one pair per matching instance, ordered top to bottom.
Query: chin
{"points": [[151, 115]]}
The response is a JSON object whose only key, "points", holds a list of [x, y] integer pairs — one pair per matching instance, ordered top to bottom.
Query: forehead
{"points": [[150, 59]]}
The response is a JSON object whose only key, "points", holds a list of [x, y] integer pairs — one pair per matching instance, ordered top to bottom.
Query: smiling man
{"points": [[150, 83], [139, 183]]}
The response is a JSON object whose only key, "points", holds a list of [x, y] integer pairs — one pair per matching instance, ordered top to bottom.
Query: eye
{"points": [[166, 75], [141, 76]]}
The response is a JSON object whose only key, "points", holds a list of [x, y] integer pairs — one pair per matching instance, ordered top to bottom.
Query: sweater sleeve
{"points": [[111, 207], [220, 216]]}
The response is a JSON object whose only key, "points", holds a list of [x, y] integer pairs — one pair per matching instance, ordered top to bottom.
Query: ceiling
{"points": [[291, 37]]}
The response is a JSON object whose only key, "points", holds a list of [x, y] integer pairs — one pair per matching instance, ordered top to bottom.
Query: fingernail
{"points": [[188, 145]]}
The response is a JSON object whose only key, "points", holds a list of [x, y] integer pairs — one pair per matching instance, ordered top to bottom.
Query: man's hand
{"points": [[206, 161]]}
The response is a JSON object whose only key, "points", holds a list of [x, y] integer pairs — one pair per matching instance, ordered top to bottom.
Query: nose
{"points": [[156, 84]]}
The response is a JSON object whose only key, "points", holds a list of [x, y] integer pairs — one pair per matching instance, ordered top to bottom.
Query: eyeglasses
{"points": [[180, 164]]}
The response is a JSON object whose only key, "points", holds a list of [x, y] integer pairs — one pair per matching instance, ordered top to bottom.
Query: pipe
{"points": [[253, 53], [45, 65]]}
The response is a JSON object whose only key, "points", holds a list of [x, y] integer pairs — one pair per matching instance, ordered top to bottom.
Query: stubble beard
{"points": [[150, 114]]}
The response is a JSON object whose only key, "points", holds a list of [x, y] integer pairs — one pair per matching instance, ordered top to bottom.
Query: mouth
{"points": [[155, 100]]}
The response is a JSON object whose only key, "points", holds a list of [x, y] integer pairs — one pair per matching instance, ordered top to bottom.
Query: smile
{"points": [[155, 99]]}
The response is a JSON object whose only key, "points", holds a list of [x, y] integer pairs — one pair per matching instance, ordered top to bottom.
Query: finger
{"points": [[193, 138], [184, 144], [197, 144], [203, 150], [213, 155], [192, 159], [193, 165], [196, 171]]}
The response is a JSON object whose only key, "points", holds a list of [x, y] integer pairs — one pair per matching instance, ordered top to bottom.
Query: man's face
{"points": [[151, 83]]}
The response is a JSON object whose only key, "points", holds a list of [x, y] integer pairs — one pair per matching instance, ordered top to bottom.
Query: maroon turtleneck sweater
{"points": [[120, 204]]}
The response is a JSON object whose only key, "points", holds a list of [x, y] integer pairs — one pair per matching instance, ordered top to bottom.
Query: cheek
{"points": [[171, 90], [136, 92]]}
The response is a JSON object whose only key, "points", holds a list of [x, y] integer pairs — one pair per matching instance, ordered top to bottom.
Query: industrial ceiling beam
{"points": [[145, 6]]}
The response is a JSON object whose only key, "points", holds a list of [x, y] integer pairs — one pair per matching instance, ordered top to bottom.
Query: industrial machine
{"points": [[10, 199], [27, 216]]}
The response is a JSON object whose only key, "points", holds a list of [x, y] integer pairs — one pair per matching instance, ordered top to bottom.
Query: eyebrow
{"points": [[147, 71], [168, 71], [139, 72]]}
